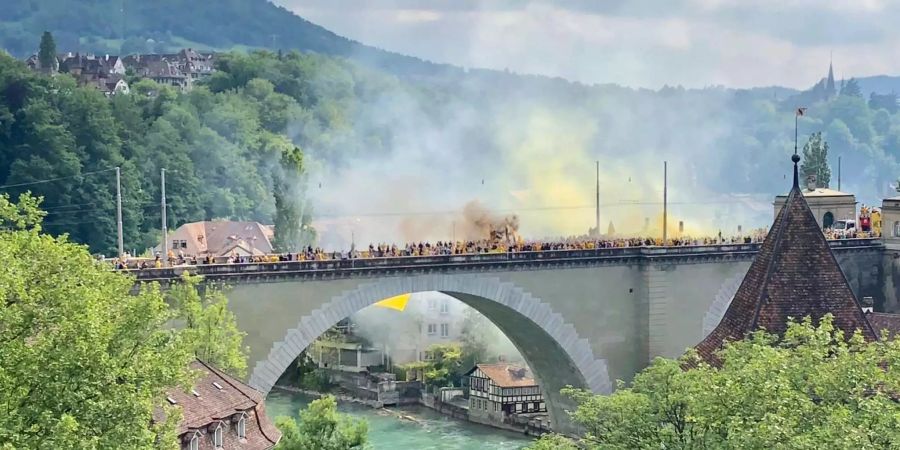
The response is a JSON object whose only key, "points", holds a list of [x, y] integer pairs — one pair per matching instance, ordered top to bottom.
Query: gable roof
{"points": [[219, 237], [794, 275], [884, 321], [505, 375], [211, 404]]}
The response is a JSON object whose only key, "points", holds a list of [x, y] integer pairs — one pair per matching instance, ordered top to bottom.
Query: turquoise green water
{"points": [[433, 432]]}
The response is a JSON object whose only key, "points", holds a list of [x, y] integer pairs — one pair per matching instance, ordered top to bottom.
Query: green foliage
{"points": [[152, 27], [47, 53], [851, 88], [815, 160], [288, 192], [210, 329], [84, 361], [443, 368], [811, 389], [322, 427], [553, 442]]}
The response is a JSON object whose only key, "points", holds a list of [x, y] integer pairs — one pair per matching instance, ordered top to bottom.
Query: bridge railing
{"points": [[480, 259]]}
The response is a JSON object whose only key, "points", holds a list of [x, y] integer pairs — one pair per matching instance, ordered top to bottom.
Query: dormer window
{"points": [[242, 426], [218, 435], [194, 443]]}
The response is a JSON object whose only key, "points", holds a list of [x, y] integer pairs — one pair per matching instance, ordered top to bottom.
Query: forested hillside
{"points": [[159, 26]]}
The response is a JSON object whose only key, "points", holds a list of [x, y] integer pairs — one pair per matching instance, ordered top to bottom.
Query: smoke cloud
{"points": [[528, 148]]}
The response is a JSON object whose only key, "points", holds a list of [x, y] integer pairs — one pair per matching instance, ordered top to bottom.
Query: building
{"points": [[179, 70], [106, 73], [827, 205], [890, 219], [221, 238], [794, 275], [346, 356], [497, 391], [221, 412]]}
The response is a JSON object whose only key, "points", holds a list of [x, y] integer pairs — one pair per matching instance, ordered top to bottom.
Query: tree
{"points": [[47, 54], [851, 88], [883, 101], [815, 160], [288, 193], [211, 331], [84, 361], [443, 368], [812, 388], [322, 427], [553, 442]]}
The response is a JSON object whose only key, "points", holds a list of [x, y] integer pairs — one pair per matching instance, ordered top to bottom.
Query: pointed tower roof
{"points": [[829, 85], [794, 275]]}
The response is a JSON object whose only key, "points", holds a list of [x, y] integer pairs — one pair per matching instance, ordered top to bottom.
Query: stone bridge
{"points": [[579, 317]]}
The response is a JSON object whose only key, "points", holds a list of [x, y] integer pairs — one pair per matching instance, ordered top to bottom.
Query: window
{"points": [[897, 229], [431, 304], [445, 306], [432, 329], [445, 330], [518, 407], [242, 426], [217, 436], [195, 442]]}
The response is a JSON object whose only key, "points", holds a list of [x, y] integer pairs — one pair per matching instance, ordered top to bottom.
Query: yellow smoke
{"points": [[551, 182]]}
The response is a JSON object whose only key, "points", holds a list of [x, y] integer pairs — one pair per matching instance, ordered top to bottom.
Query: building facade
{"points": [[827, 205], [890, 218], [497, 391], [220, 412]]}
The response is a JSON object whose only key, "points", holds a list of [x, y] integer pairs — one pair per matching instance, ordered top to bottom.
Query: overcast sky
{"points": [[695, 43]]}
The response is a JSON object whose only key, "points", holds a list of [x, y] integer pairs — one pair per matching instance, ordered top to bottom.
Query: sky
{"points": [[637, 43]]}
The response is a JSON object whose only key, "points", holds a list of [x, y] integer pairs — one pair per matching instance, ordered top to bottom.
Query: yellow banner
{"points": [[397, 302]]}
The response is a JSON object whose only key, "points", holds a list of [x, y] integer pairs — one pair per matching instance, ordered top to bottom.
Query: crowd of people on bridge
{"points": [[439, 248]]}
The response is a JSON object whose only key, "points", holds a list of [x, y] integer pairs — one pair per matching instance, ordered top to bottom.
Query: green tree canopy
{"points": [[47, 53], [851, 88], [815, 160], [289, 204], [210, 328], [84, 361], [814, 388], [321, 427]]}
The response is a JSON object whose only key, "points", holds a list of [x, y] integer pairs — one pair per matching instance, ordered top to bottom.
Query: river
{"points": [[433, 432]]}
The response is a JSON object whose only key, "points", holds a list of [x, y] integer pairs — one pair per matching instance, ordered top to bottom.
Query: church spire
{"points": [[829, 84]]}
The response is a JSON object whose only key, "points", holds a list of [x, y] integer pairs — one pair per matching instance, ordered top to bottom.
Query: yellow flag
{"points": [[397, 302]]}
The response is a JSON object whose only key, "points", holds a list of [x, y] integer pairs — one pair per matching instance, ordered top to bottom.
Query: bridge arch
{"points": [[552, 347]]}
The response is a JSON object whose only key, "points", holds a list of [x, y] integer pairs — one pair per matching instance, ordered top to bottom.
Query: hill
{"points": [[138, 26]]}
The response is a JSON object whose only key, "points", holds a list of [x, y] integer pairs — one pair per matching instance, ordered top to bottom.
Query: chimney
{"points": [[868, 305]]}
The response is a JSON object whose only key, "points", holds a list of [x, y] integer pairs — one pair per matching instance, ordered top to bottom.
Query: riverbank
{"points": [[405, 427]]}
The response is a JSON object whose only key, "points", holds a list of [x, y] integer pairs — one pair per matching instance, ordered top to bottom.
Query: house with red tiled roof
{"points": [[221, 238], [794, 275], [499, 390], [220, 412]]}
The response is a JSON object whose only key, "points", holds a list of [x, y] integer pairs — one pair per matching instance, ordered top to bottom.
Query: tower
{"points": [[830, 90], [793, 276]]}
